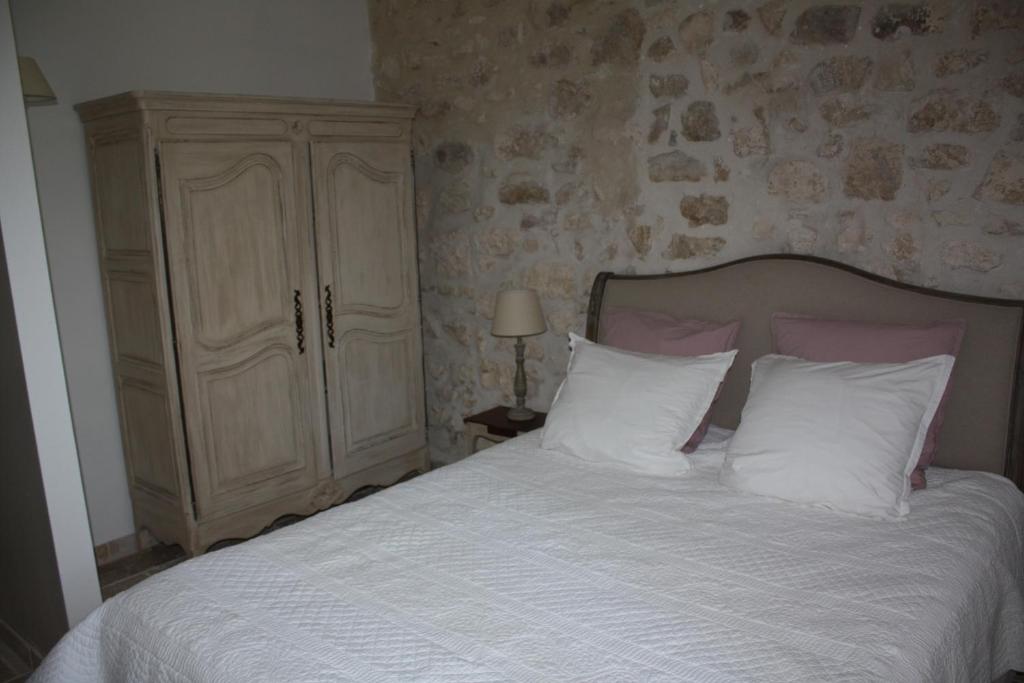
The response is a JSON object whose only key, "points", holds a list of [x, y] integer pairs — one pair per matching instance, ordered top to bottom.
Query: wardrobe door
{"points": [[366, 248], [243, 285]]}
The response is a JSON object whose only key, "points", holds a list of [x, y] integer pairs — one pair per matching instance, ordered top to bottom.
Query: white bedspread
{"points": [[520, 564]]}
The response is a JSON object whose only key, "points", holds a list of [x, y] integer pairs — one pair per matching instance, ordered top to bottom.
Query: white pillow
{"points": [[632, 410], [842, 435]]}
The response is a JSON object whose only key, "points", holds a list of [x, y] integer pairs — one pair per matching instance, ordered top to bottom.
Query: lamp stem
{"points": [[520, 413]]}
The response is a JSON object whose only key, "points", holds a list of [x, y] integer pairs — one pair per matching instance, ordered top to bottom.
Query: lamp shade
{"points": [[33, 83], [517, 313]]}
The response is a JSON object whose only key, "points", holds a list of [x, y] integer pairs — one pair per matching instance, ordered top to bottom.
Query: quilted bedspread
{"points": [[527, 565]]}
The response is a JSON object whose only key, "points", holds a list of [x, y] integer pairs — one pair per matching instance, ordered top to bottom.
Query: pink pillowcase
{"points": [[663, 334], [859, 342]]}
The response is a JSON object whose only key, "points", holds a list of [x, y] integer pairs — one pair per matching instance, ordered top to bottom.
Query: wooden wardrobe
{"points": [[258, 258]]}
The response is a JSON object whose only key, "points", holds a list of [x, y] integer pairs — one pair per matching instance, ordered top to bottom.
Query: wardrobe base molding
{"points": [[384, 474], [170, 526]]}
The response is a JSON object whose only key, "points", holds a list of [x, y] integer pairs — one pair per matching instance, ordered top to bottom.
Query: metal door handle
{"points": [[329, 311], [300, 339]]}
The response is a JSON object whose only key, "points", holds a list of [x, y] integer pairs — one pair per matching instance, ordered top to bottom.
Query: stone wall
{"points": [[558, 138]]}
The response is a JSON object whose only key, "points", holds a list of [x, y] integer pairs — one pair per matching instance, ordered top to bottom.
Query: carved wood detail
{"points": [[190, 125], [363, 195], [359, 207], [121, 210], [205, 216], [265, 271], [132, 302], [376, 387], [254, 408], [151, 465]]}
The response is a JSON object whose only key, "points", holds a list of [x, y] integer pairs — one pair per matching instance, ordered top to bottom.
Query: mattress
{"points": [[527, 565]]}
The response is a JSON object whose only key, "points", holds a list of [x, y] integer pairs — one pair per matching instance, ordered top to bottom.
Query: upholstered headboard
{"points": [[984, 424]]}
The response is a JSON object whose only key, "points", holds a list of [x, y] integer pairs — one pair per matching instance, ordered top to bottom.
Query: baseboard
{"points": [[119, 548], [19, 646]]}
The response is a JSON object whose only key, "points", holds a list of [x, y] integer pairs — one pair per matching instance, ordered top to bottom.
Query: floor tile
{"points": [[139, 562], [109, 590]]}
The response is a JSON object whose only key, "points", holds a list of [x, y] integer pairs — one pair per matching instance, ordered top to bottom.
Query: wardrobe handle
{"points": [[329, 311], [300, 340]]}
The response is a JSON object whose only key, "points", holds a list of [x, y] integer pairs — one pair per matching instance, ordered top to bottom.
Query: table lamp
{"points": [[517, 313]]}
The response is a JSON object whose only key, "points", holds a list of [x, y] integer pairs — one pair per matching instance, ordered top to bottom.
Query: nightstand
{"points": [[490, 427]]}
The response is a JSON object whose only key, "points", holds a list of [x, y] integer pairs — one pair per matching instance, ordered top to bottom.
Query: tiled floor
{"points": [[124, 573]]}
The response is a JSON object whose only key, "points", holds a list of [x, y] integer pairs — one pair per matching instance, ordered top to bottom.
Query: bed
{"points": [[524, 564]]}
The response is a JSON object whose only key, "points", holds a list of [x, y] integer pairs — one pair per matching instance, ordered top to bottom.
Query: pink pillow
{"points": [[650, 332], [838, 340]]}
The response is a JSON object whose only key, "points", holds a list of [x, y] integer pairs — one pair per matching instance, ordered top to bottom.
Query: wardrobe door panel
{"points": [[120, 193], [366, 247], [239, 251], [241, 264], [370, 272], [377, 372], [148, 432]]}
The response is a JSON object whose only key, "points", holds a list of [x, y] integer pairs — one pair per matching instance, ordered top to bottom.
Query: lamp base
{"points": [[521, 414]]}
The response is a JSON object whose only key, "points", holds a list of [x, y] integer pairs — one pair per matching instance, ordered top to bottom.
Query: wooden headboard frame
{"points": [[984, 425]]}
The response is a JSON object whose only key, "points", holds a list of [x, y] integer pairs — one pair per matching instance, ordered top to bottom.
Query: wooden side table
{"points": [[491, 427]]}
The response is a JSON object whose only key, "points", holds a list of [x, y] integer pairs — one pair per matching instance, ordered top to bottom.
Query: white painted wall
{"points": [[311, 48], [43, 431]]}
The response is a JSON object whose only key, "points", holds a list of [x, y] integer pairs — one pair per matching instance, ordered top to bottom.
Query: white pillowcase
{"points": [[632, 410], [842, 435]]}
